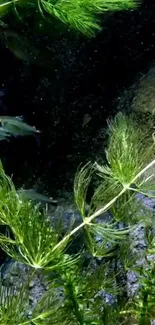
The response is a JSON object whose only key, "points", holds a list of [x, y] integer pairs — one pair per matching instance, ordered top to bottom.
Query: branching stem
{"points": [[106, 207]]}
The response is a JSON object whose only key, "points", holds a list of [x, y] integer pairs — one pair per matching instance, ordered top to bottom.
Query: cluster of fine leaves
{"points": [[82, 15], [29, 237], [78, 284]]}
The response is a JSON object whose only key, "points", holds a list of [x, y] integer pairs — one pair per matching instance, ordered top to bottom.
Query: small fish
{"points": [[21, 46], [30, 48], [86, 120], [15, 126], [33, 195]]}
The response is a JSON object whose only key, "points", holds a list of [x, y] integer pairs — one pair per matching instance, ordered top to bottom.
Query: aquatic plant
{"points": [[82, 15], [76, 288]]}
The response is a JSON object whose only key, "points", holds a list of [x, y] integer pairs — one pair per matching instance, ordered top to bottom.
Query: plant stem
{"points": [[5, 4], [106, 207], [74, 302], [144, 317]]}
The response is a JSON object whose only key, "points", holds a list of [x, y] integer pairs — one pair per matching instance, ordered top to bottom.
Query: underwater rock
{"points": [[140, 96]]}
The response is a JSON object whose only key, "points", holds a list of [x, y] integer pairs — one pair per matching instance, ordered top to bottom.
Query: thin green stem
{"points": [[5, 4], [106, 207], [74, 302], [144, 316], [30, 320]]}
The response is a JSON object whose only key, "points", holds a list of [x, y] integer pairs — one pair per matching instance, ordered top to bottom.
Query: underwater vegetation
{"points": [[82, 15], [79, 278], [76, 287]]}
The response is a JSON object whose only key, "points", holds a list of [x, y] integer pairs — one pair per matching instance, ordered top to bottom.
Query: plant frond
{"points": [[5, 7], [74, 15], [82, 15], [127, 151], [81, 182], [104, 192], [9, 200], [108, 231], [105, 238], [6, 239], [34, 240], [127, 255], [79, 294], [13, 305], [50, 309]]}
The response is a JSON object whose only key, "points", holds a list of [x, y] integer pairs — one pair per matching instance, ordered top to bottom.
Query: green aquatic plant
{"points": [[82, 15], [22, 20], [34, 238], [78, 282], [142, 306], [12, 311]]}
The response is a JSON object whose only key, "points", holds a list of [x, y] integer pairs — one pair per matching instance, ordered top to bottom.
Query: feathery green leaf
{"points": [[82, 15]]}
